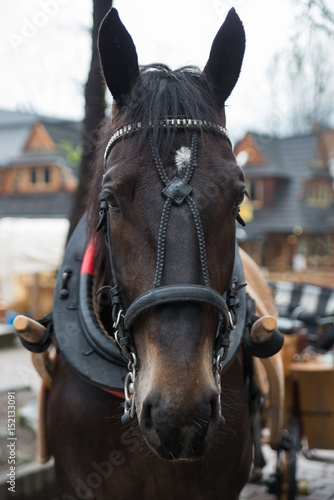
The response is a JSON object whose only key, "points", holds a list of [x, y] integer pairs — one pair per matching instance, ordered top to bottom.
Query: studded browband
{"points": [[126, 130]]}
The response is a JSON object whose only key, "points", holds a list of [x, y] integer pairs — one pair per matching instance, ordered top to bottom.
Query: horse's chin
{"points": [[191, 453], [168, 456]]}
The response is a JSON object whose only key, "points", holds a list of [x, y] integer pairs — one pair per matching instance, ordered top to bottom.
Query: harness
{"points": [[177, 192], [79, 334], [108, 359]]}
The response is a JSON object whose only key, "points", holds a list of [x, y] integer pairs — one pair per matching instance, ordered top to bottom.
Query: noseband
{"points": [[177, 192]]}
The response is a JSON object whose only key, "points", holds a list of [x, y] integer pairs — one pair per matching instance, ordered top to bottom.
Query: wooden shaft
{"points": [[29, 329], [262, 329], [40, 362]]}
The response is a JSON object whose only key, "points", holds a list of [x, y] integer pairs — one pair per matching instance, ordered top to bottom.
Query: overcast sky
{"points": [[45, 49]]}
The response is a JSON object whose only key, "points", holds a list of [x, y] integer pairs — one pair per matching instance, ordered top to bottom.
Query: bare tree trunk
{"points": [[94, 114]]}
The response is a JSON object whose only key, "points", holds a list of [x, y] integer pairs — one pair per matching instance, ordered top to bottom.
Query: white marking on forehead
{"points": [[182, 158]]}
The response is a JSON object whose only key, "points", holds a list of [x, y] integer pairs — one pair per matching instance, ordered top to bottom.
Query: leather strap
{"points": [[175, 293]]}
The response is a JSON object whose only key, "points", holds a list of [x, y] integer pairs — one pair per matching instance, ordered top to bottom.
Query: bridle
{"points": [[170, 123], [176, 192]]}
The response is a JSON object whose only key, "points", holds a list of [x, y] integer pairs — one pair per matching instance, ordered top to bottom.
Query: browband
{"points": [[126, 130]]}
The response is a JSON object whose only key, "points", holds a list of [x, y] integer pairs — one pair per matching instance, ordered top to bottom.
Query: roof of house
{"points": [[16, 129], [29, 139], [290, 160], [40, 205]]}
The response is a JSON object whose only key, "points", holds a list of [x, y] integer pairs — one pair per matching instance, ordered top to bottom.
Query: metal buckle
{"points": [[118, 319], [232, 325]]}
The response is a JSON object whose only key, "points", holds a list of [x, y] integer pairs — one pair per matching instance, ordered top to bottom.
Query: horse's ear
{"points": [[226, 55], [118, 57]]}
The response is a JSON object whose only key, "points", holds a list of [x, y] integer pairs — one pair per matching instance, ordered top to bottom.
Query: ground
{"points": [[17, 375], [26, 437]]}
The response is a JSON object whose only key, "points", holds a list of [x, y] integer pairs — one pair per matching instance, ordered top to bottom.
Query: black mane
{"points": [[161, 93]]}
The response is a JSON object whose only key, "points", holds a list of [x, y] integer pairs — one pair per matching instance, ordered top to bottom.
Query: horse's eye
{"points": [[110, 199], [240, 199], [238, 202], [112, 203], [236, 208]]}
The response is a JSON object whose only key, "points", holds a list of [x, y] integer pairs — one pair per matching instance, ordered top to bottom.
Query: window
{"points": [[47, 175], [33, 176], [16, 183], [256, 194], [318, 194]]}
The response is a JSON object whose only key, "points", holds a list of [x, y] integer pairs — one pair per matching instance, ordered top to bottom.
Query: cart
{"points": [[308, 360]]}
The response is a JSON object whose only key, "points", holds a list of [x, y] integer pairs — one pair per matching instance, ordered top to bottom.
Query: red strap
{"points": [[89, 258], [88, 267], [115, 393]]}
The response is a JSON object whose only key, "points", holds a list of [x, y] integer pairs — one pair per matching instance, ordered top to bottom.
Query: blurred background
{"points": [[280, 118]]}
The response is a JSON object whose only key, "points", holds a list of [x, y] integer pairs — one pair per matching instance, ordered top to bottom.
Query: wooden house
{"points": [[36, 179], [37, 183], [290, 216]]}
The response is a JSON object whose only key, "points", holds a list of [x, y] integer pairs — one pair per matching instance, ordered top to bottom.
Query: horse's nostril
{"points": [[214, 407], [215, 414], [147, 417], [221, 421], [148, 424], [175, 433]]}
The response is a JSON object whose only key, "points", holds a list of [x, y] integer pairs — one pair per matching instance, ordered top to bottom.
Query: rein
{"points": [[177, 191]]}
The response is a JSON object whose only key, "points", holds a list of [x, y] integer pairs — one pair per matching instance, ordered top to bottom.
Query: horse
{"points": [[160, 231]]}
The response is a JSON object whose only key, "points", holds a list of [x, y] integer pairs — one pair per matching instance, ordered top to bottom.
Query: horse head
{"points": [[172, 191]]}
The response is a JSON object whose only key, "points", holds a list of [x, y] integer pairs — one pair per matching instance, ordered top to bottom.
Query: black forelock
{"points": [[161, 93]]}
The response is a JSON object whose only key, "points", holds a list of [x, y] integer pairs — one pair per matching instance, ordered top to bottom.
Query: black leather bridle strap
{"points": [[177, 191], [176, 293]]}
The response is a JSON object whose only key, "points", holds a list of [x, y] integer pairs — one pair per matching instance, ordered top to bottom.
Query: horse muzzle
{"points": [[179, 433]]}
